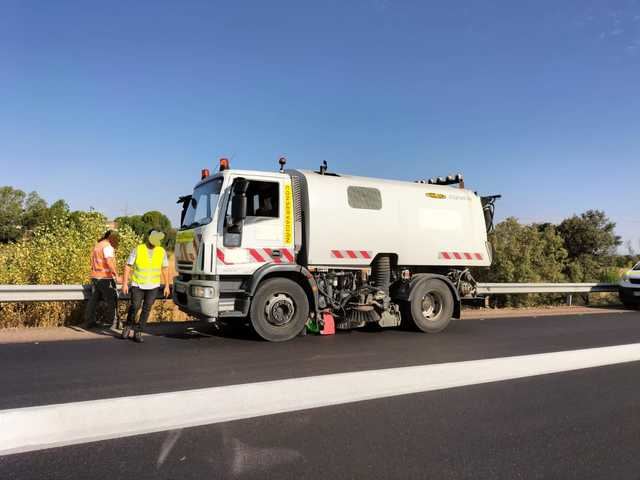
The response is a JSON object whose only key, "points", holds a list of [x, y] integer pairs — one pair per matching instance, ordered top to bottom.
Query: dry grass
{"points": [[64, 314]]}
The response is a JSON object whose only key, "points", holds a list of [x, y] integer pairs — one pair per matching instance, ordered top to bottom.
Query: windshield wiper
{"points": [[204, 221], [191, 225]]}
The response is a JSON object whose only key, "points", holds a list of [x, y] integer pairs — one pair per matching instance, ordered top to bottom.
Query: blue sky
{"points": [[117, 105]]}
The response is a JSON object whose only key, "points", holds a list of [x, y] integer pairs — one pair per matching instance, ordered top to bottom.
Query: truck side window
{"points": [[364, 197], [263, 199]]}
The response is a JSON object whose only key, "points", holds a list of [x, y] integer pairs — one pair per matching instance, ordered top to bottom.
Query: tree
{"points": [[59, 208], [11, 210], [35, 211], [21, 214], [157, 220], [134, 222], [161, 222], [141, 224], [591, 233], [591, 242], [525, 253]]}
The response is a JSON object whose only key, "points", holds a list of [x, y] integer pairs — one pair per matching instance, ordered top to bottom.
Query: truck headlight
{"points": [[625, 277], [202, 292]]}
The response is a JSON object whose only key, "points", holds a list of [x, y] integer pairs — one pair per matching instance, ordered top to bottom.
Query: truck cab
{"points": [[235, 222]]}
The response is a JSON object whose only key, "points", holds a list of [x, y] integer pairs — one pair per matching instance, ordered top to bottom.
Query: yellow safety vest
{"points": [[147, 272]]}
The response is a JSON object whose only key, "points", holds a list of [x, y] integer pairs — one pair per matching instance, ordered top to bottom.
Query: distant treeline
{"points": [[22, 213]]}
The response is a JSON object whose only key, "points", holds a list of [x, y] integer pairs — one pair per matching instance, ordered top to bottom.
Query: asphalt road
{"points": [[579, 424]]}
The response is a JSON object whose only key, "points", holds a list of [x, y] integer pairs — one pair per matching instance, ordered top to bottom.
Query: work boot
{"points": [[125, 332], [137, 337]]}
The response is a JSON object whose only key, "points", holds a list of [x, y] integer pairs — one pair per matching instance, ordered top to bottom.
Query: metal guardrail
{"points": [[514, 288], [43, 293], [48, 293], [55, 293]]}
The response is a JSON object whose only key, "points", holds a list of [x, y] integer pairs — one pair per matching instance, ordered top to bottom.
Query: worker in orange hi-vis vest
{"points": [[104, 275]]}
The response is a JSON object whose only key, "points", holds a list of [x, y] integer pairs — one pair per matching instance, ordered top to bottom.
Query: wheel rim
{"points": [[432, 304], [279, 309]]}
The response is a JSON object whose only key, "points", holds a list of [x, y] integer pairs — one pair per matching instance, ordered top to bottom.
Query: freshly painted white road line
{"points": [[36, 428]]}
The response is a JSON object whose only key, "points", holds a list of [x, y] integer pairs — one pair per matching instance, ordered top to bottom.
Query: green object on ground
{"points": [[312, 326]]}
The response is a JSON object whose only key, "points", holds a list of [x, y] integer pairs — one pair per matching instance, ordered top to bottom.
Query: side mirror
{"points": [[240, 185], [185, 201], [239, 202], [238, 208]]}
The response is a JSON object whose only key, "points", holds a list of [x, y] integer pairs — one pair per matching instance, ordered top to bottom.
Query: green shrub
{"points": [[57, 252], [610, 275]]}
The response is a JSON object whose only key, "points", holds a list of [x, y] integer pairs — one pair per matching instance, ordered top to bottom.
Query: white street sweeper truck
{"points": [[287, 247]]}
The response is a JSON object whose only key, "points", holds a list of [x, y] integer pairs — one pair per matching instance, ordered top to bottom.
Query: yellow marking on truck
{"points": [[436, 195], [288, 214], [185, 236]]}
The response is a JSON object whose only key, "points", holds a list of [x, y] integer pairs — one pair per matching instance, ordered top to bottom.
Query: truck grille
{"points": [[188, 266], [635, 281]]}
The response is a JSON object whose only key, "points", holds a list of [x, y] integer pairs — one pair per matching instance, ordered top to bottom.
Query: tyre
{"points": [[627, 303], [631, 304], [431, 306], [279, 310]]}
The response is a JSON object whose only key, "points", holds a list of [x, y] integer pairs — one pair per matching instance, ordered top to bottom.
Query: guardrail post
{"points": [[569, 299]]}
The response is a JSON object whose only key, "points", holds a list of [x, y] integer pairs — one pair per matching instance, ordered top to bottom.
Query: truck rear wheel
{"points": [[431, 306], [279, 310]]}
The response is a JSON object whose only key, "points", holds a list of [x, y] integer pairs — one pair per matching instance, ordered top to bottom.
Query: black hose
{"points": [[381, 273]]}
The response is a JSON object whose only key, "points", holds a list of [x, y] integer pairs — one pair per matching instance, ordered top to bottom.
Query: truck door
{"points": [[263, 225], [266, 235]]}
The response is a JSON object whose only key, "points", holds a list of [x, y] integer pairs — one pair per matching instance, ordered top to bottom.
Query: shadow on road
{"points": [[196, 329]]}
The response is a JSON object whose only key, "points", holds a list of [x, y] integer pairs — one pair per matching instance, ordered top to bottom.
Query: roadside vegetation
{"points": [[42, 244], [50, 244], [581, 248]]}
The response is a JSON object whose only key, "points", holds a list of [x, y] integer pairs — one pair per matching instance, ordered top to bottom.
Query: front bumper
{"points": [[204, 308]]}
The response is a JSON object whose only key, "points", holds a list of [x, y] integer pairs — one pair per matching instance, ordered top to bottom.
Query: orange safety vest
{"points": [[99, 266]]}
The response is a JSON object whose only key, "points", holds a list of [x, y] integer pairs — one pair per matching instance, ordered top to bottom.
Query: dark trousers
{"points": [[101, 289], [144, 298]]}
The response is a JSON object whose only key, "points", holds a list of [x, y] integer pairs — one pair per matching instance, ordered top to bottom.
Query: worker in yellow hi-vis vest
{"points": [[148, 269]]}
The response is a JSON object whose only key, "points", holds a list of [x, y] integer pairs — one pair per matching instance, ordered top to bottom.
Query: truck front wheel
{"points": [[431, 306], [279, 310]]}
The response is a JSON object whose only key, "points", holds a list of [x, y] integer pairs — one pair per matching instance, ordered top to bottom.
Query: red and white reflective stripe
{"points": [[351, 254], [259, 255], [460, 256]]}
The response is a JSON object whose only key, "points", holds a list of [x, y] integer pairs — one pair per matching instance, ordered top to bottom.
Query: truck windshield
{"points": [[201, 207], [637, 266]]}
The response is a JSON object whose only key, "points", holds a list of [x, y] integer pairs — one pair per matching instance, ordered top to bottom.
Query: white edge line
{"points": [[41, 427]]}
